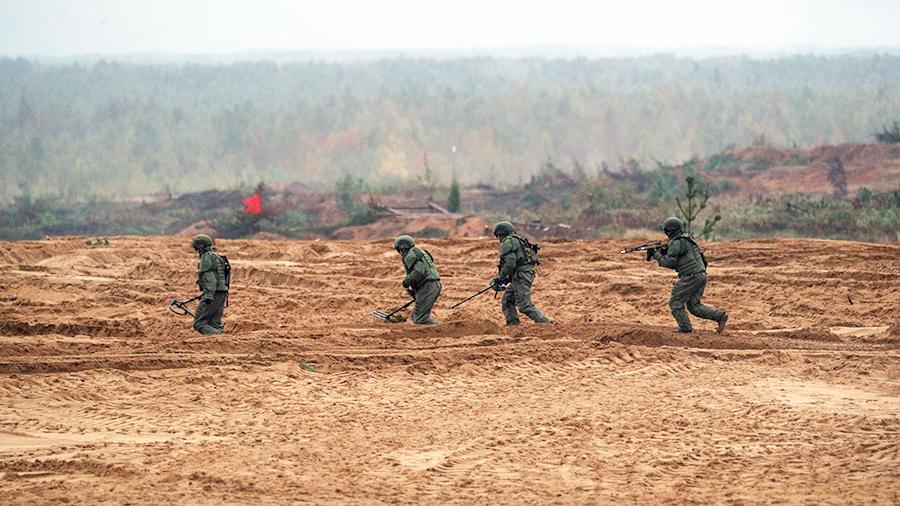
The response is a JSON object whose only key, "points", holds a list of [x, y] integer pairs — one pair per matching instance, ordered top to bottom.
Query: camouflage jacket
{"points": [[419, 268], [211, 274]]}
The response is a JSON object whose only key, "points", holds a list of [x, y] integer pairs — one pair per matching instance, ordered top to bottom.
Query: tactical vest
{"points": [[690, 260]]}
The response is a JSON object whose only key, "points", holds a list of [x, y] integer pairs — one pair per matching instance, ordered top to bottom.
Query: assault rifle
{"points": [[645, 247]]}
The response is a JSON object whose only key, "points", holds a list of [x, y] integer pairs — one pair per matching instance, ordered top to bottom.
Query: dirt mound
{"points": [[429, 226], [200, 227], [810, 333]]}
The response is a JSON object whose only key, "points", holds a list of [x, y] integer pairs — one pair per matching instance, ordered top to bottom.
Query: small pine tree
{"points": [[837, 176], [427, 180], [697, 196], [453, 200]]}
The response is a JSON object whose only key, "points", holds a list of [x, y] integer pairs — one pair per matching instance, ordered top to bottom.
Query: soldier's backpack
{"points": [[531, 251], [226, 266]]}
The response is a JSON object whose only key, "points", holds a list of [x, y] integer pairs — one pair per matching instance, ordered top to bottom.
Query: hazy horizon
{"points": [[352, 29], [339, 56]]}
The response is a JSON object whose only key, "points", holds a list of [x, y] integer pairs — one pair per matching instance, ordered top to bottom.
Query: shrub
{"points": [[887, 136], [722, 161], [347, 195], [864, 195], [291, 222]]}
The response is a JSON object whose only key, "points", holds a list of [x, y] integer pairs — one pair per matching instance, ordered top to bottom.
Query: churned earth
{"points": [[107, 397]]}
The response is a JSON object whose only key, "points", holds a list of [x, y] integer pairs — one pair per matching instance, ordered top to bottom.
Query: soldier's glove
{"points": [[650, 253], [405, 284], [497, 284], [411, 292]]}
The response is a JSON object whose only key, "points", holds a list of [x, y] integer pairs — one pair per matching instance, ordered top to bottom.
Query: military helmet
{"points": [[672, 226], [503, 229], [201, 241], [403, 242]]}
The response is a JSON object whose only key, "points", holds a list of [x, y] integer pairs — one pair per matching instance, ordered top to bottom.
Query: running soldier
{"points": [[683, 254]]}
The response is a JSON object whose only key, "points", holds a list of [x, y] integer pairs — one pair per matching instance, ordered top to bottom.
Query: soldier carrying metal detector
{"points": [[515, 275], [214, 281], [422, 282]]}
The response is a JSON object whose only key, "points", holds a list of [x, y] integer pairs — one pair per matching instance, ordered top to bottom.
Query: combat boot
{"points": [[722, 321]]}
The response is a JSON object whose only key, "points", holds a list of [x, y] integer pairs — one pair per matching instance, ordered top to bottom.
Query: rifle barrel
{"points": [[643, 247]]}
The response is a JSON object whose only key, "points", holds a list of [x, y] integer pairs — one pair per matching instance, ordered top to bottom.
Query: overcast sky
{"points": [[77, 27]]}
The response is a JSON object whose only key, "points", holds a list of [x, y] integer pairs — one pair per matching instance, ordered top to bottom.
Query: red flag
{"points": [[253, 205]]}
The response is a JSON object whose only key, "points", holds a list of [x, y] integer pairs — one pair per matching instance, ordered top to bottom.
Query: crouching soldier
{"points": [[683, 254], [518, 259], [213, 278], [422, 280]]}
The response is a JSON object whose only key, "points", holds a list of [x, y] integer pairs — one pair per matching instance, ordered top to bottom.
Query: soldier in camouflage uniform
{"points": [[683, 255], [517, 275], [422, 280], [213, 285]]}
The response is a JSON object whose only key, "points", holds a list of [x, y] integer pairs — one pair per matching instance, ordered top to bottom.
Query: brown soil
{"points": [[797, 170], [440, 225], [109, 398]]}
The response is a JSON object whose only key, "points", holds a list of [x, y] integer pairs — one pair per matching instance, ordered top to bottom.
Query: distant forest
{"points": [[112, 129]]}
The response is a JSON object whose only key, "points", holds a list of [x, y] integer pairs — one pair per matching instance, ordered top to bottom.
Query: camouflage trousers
{"points": [[686, 293], [518, 295], [426, 296], [208, 317]]}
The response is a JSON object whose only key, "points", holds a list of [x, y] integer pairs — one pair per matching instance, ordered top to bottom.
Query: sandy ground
{"points": [[109, 398]]}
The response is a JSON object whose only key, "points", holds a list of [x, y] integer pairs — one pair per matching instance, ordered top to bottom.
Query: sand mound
{"points": [[419, 226]]}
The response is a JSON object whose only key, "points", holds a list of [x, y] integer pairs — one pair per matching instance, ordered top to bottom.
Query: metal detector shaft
{"points": [[469, 298], [182, 305], [404, 306]]}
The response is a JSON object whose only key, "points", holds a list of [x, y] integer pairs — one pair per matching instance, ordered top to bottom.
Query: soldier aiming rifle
{"points": [[682, 254]]}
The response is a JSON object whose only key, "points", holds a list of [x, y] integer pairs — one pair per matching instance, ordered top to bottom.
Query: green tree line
{"points": [[114, 129]]}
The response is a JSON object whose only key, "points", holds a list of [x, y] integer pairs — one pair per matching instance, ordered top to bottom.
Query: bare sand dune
{"points": [[109, 398]]}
